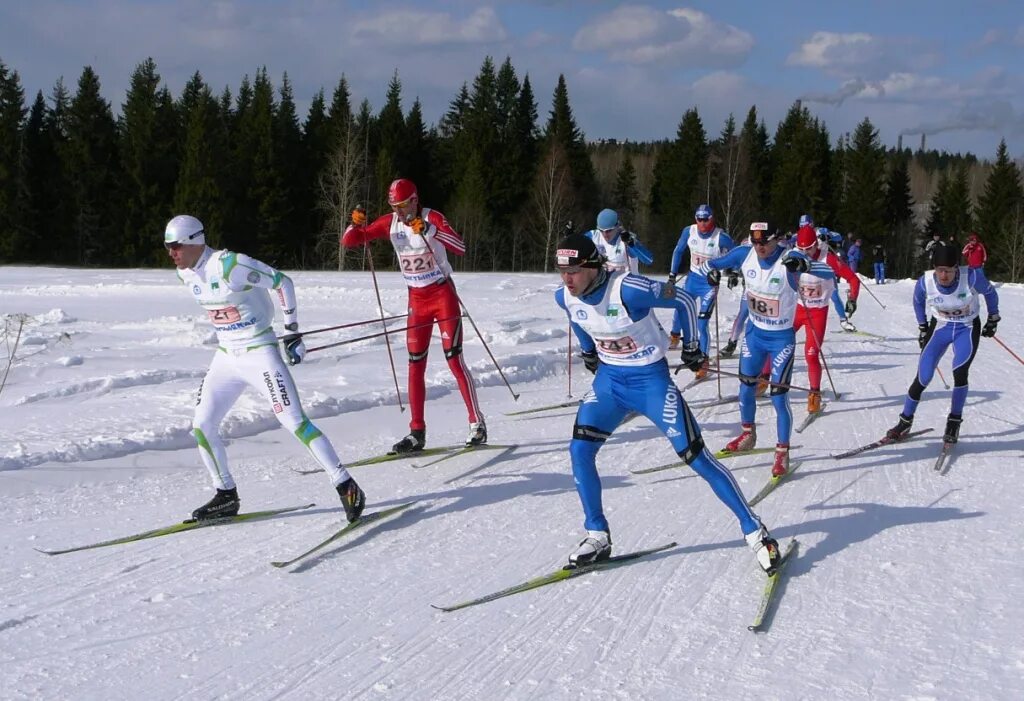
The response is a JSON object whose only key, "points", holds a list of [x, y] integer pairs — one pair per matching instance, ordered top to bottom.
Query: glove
{"points": [[359, 215], [418, 225], [627, 237], [795, 262], [714, 277], [671, 279], [734, 279], [851, 307], [990, 326], [924, 332], [294, 348], [692, 357], [590, 361]]}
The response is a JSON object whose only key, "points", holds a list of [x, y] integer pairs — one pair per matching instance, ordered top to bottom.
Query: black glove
{"points": [[627, 237], [796, 263], [714, 277], [671, 279], [734, 279], [851, 307], [990, 326], [924, 332], [294, 348], [692, 357], [590, 361]]}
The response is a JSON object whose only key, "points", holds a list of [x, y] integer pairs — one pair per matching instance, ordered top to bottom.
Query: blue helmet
{"points": [[704, 211], [607, 219], [806, 220]]}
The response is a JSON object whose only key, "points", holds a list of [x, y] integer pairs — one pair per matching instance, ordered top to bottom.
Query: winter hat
{"points": [[704, 211], [607, 219], [806, 237], [578, 249], [945, 256]]}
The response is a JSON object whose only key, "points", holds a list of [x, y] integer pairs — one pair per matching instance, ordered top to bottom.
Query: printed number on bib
{"points": [[697, 260], [415, 263], [811, 291], [763, 306], [953, 313], [227, 315], [617, 346]]}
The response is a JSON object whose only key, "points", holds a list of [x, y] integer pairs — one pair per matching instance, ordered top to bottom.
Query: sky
{"points": [[949, 69], [907, 584]]}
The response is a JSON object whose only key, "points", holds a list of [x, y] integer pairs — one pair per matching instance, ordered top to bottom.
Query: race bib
{"points": [[697, 260], [417, 263], [811, 291], [763, 306], [225, 316], [617, 346]]}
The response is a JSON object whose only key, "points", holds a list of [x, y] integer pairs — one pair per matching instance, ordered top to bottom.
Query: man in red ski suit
{"points": [[422, 237], [812, 308]]}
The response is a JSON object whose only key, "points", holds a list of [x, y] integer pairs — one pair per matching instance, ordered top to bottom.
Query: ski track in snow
{"points": [[907, 584]]}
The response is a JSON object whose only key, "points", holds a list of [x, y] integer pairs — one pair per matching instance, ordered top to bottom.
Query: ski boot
{"points": [[847, 326], [673, 341], [729, 350], [702, 371], [814, 402], [901, 429], [477, 434], [952, 434], [745, 441], [413, 443], [781, 466], [352, 498], [224, 503], [595, 547], [766, 549]]}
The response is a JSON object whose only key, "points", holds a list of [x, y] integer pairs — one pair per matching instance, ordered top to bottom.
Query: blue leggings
{"points": [[707, 296], [964, 340], [779, 347], [650, 391]]}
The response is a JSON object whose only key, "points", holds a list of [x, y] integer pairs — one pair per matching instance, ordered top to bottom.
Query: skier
{"points": [[421, 237], [704, 241], [834, 241], [619, 246], [878, 251], [772, 278], [234, 290], [951, 291], [812, 306], [612, 316]]}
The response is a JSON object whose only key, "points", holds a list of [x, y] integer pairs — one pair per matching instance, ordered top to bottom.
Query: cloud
{"points": [[420, 28], [641, 35], [1018, 37], [861, 54], [850, 88], [996, 116]]}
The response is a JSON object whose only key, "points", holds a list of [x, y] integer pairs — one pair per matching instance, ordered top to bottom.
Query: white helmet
{"points": [[185, 229]]}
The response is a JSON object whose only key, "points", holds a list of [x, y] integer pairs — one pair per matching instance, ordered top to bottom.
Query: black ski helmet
{"points": [[578, 249], [946, 256]]}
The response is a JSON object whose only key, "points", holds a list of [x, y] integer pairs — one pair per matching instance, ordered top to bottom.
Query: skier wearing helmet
{"points": [[422, 239]]}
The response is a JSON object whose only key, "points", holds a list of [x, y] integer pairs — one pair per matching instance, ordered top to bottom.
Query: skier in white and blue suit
{"points": [[705, 241], [618, 245], [772, 277], [951, 292], [623, 344]]}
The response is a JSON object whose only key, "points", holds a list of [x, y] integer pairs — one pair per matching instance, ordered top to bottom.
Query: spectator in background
{"points": [[952, 242], [847, 243], [878, 251], [974, 252], [853, 255]]}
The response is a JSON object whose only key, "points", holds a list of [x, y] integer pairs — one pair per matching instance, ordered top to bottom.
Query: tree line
{"points": [[81, 186]]}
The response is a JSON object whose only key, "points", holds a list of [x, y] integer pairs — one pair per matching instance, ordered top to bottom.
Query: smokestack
{"points": [[799, 105], [899, 143], [922, 143]]}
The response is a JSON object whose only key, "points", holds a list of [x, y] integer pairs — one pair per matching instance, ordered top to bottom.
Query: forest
{"points": [[81, 185]]}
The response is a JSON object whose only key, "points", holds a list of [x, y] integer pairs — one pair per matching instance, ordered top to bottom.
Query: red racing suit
{"points": [[422, 247]]}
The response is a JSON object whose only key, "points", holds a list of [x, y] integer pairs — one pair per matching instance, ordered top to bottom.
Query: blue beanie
{"points": [[703, 212], [607, 219]]}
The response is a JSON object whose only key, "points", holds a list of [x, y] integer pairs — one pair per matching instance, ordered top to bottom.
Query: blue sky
{"points": [[954, 70]]}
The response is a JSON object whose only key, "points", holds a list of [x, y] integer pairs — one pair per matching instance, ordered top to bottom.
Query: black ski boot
{"points": [[729, 349], [901, 429], [952, 429], [413, 443], [352, 498], [224, 503]]}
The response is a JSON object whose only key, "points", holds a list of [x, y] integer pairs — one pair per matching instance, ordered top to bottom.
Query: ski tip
{"points": [[47, 552], [278, 564]]}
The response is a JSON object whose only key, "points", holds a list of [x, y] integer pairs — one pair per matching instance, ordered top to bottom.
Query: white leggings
{"points": [[262, 369]]}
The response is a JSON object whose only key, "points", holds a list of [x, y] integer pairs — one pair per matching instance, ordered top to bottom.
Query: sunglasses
{"points": [[402, 205], [703, 218], [759, 242], [174, 246]]}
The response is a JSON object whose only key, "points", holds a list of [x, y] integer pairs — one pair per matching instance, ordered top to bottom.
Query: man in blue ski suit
{"points": [[705, 241], [620, 247], [772, 289], [951, 292], [611, 314]]}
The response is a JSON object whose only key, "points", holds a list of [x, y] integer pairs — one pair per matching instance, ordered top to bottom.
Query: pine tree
{"points": [[561, 128], [801, 163], [755, 177], [680, 180], [201, 181], [266, 192], [625, 196], [863, 204], [295, 205], [999, 216], [899, 218], [14, 236]]}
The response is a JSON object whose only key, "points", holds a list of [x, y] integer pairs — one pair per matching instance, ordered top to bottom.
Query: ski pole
{"points": [[865, 287], [348, 326], [376, 335], [387, 338], [817, 342], [718, 349], [1017, 357], [568, 360], [942, 377], [755, 378]]}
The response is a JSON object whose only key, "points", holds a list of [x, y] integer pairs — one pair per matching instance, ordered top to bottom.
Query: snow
{"points": [[908, 584]]}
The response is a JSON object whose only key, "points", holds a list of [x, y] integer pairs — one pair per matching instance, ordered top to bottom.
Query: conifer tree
{"points": [[561, 128], [801, 168], [201, 186], [625, 196], [863, 202], [1000, 217], [899, 218], [14, 239]]}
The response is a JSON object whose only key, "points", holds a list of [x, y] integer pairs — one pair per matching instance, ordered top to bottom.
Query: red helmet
{"points": [[401, 190], [806, 237]]}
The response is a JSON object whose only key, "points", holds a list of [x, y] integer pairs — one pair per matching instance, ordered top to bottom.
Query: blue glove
{"points": [[294, 348]]}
